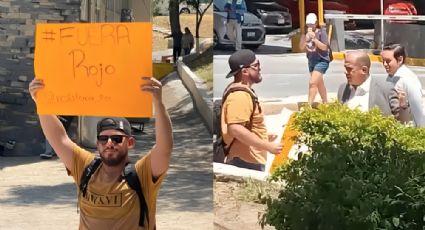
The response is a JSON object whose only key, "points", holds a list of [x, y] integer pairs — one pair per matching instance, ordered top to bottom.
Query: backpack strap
{"points": [[254, 100], [88, 173], [130, 175]]}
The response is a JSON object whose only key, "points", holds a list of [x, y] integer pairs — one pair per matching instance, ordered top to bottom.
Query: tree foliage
{"points": [[200, 11], [363, 171]]}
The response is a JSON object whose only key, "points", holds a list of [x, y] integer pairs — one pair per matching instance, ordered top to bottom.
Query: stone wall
{"points": [[18, 120]]}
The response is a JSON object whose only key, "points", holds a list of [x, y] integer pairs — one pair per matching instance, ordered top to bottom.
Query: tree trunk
{"points": [[174, 16], [199, 16], [197, 26]]}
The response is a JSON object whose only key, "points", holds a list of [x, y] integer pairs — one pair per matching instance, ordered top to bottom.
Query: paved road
{"points": [[286, 74], [36, 194]]}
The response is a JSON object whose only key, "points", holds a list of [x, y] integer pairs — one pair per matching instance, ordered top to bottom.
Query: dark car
{"points": [[274, 16]]}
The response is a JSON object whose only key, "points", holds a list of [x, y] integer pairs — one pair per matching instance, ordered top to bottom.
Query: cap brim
{"points": [[231, 74]]}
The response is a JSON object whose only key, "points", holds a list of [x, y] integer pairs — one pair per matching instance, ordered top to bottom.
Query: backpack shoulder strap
{"points": [[254, 97], [254, 100], [88, 173], [130, 175]]}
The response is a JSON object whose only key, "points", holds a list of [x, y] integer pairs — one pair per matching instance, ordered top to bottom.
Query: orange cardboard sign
{"points": [[93, 69], [287, 142]]}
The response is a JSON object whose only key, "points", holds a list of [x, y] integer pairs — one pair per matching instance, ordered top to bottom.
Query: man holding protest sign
{"points": [[108, 201]]}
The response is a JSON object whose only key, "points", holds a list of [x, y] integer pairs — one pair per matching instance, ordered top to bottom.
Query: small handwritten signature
{"points": [[51, 97]]}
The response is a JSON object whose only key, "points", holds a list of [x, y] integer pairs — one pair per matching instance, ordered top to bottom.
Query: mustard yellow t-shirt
{"points": [[237, 109], [114, 205]]}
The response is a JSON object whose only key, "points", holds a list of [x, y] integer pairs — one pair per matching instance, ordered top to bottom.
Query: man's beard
{"points": [[258, 79], [114, 161]]}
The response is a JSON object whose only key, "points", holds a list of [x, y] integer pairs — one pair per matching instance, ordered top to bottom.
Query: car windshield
{"points": [[219, 4]]}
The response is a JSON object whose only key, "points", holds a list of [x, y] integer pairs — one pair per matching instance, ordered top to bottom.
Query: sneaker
{"points": [[47, 155]]}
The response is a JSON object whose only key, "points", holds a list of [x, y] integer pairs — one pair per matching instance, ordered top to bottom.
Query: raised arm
{"points": [[322, 42], [399, 105], [53, 129], [161, 151]]}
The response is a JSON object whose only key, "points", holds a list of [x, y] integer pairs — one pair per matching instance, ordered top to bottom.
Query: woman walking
{"points": [[187, 41], [315, 43]]}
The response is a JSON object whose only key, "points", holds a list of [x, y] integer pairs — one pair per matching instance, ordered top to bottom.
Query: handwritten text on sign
{"points": [[94, 69]]}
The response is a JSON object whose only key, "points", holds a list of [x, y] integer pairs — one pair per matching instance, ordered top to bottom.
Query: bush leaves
{"points": [[365, 171]]}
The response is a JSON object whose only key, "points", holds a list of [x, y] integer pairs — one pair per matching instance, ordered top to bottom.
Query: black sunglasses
{"points": [[253, 65], [116, 139]]}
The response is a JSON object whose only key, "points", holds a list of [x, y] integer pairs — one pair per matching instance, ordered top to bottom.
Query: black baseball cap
{"points": [[239, 60], [116, 123]]}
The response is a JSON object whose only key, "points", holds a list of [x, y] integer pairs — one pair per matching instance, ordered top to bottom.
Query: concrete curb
{"points": [[202, 102], [229, 172]]}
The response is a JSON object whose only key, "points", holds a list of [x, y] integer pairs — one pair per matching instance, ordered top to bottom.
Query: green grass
{"points": [[203, 67]]}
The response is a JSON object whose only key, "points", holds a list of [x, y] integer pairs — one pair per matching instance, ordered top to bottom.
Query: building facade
{"points": [[20, 132]]}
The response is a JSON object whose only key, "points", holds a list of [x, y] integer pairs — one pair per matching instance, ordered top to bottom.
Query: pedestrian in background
{"points": [[235, 16], [187, 41], [315, 43], [177, 44], [48, 151]]}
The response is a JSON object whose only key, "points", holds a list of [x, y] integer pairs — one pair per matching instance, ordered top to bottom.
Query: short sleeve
{"points": [[324, 36], [238, 108], [81, 159], [144, 171]]}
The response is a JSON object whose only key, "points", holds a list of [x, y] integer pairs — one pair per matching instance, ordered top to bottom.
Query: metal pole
{"points": [[320, 11], [302, 15], [382, 25]]}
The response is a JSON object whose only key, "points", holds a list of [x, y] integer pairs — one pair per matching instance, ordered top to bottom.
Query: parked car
{"points": [[369, 6], [311, 7], [350, 7], [391, 7], [161, 8], [184, 8], [401, 8], [274, 16], [253, 31]]}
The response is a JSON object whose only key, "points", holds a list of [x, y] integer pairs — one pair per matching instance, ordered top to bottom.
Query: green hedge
{"points": [[364, 171]]}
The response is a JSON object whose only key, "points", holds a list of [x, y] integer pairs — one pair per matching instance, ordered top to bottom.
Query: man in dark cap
{"points": [[242, 120], [109, 202]]}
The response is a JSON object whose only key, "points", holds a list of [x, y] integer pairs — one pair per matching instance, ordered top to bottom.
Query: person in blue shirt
{"points": [[235, 13]]}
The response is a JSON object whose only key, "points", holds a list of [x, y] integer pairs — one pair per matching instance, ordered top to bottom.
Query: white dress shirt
{"points": [[411, 85], [359, 97]]}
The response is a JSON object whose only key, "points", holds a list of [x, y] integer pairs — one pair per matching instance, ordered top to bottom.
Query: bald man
{"points": [[355, 93]]}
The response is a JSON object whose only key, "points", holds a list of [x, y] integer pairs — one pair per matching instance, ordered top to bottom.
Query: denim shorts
{"points": [[318, 65]]}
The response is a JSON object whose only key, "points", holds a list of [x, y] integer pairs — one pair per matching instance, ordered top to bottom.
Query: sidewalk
{"points": [[37, 194]]}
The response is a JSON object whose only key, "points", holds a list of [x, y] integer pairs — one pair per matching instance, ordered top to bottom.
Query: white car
{"points": [[161, 8], [184, 8], [253, 32]]}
